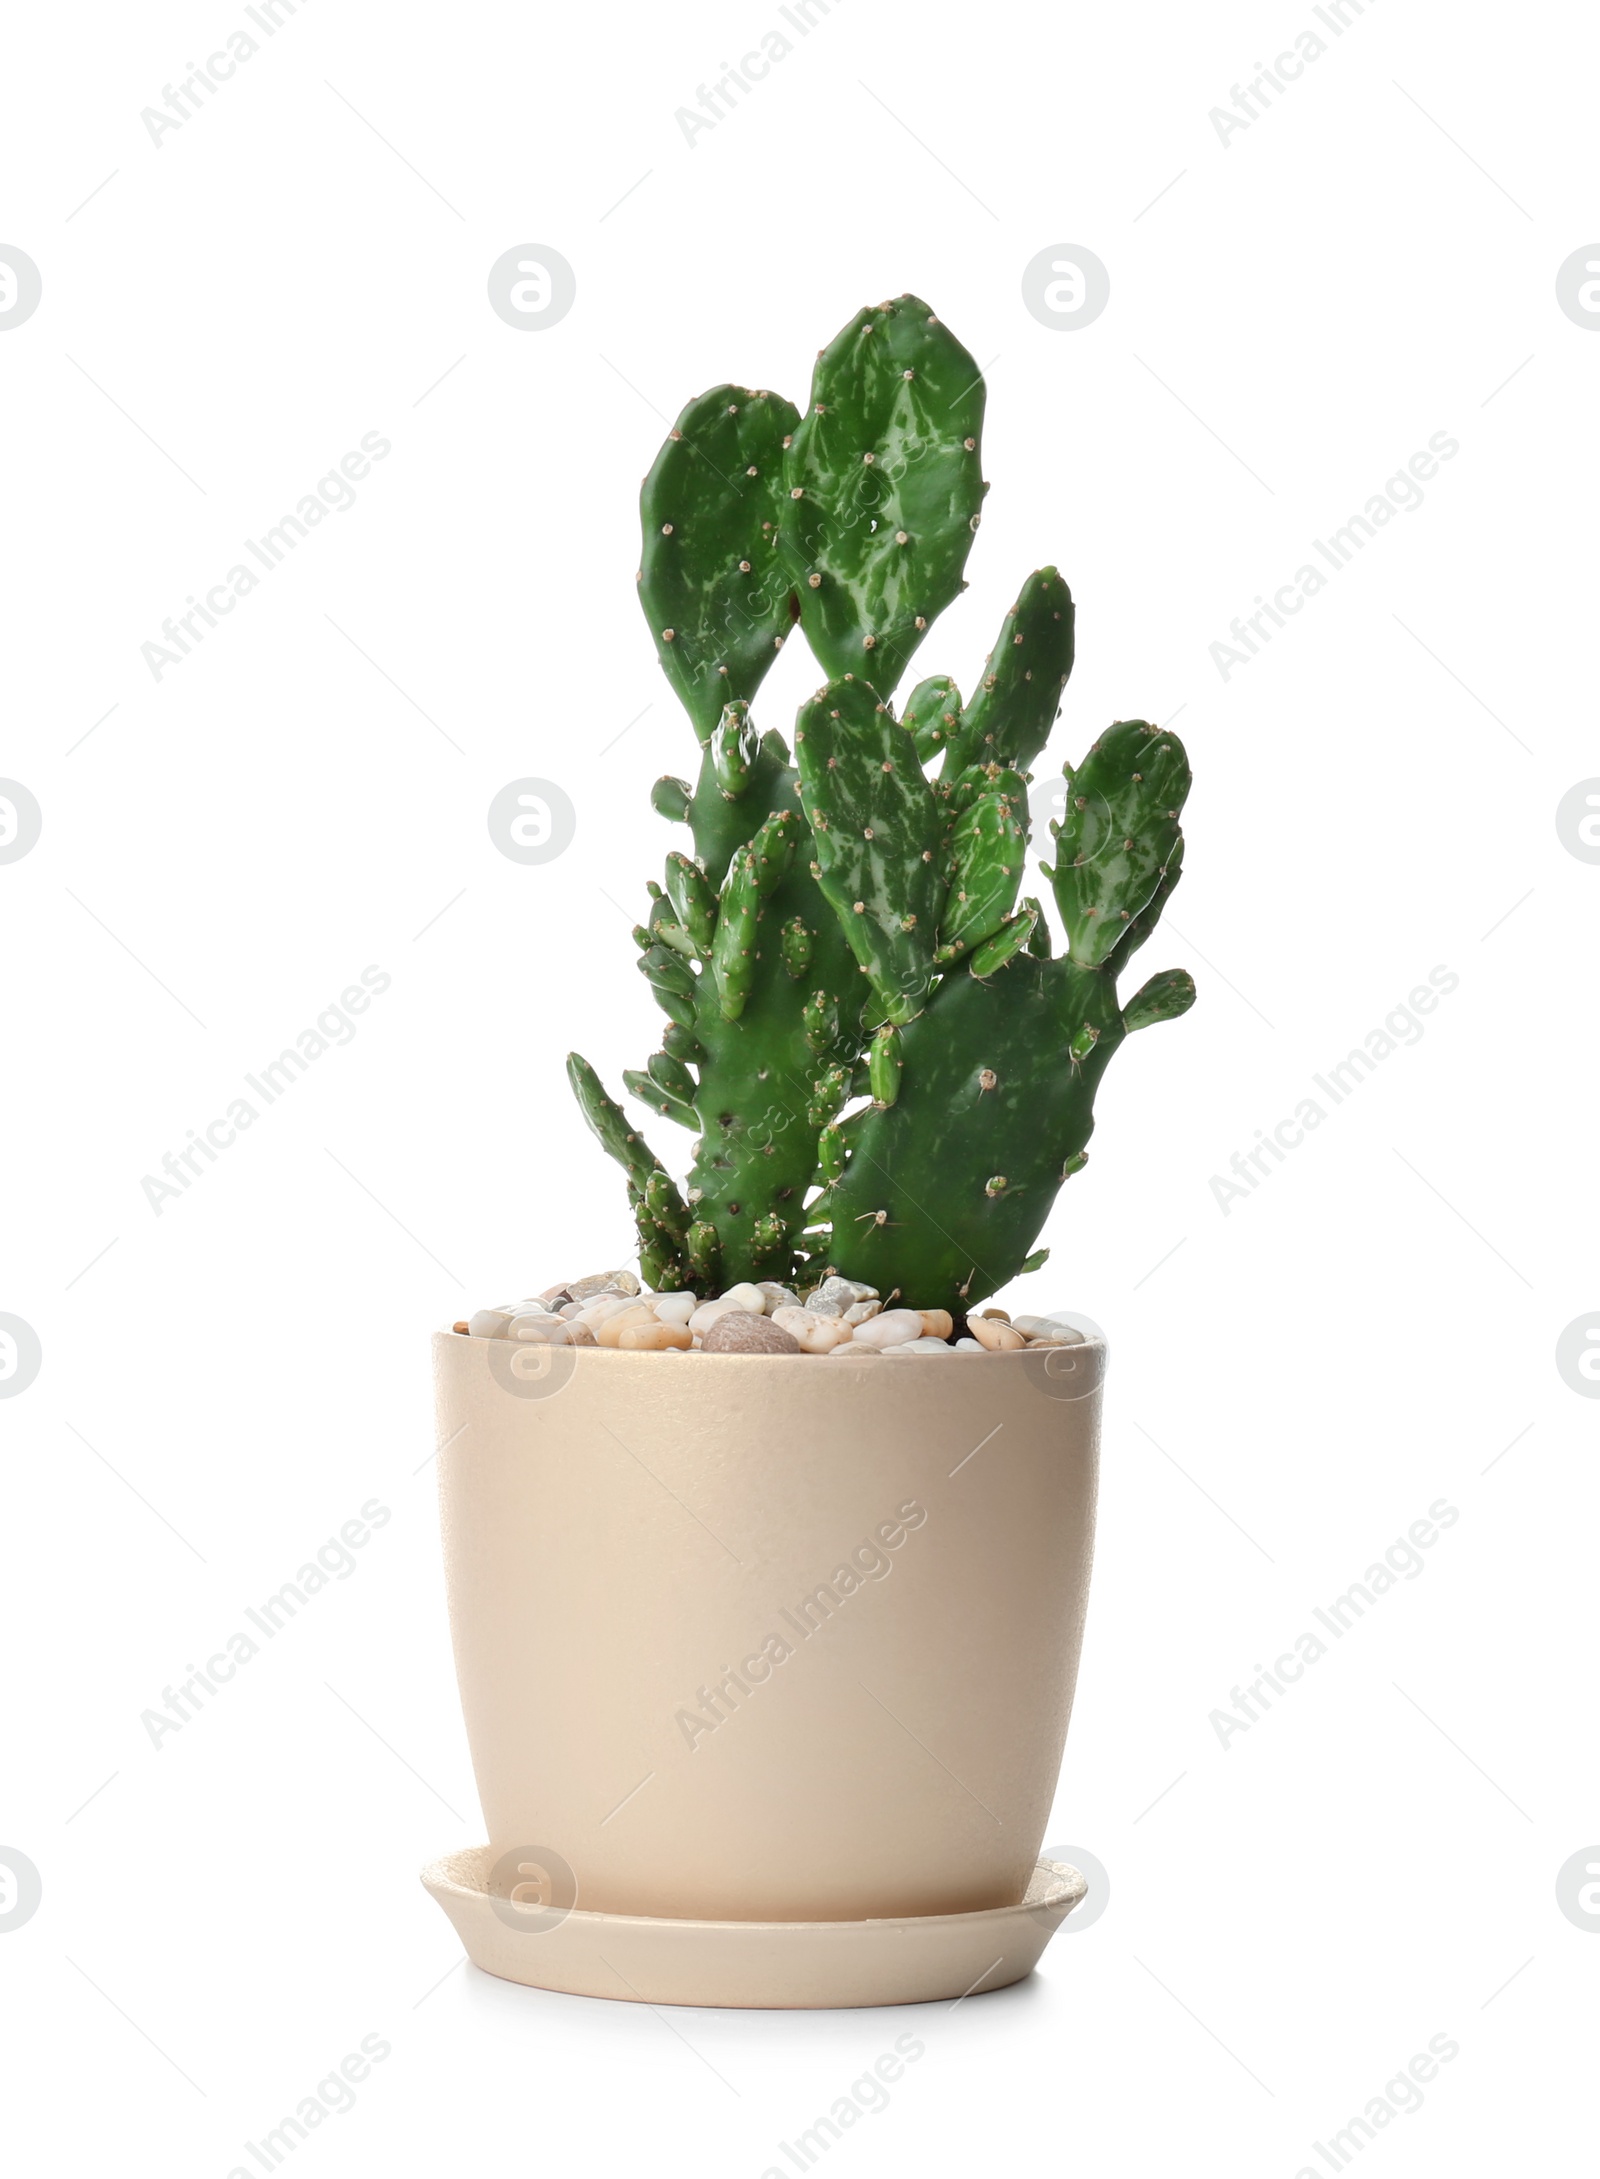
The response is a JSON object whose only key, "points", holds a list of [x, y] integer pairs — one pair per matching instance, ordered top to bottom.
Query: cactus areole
{"points": [[888, 1067]]}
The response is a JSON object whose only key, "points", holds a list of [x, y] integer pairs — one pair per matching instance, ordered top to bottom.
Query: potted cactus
{"points": [[767, 1657]]}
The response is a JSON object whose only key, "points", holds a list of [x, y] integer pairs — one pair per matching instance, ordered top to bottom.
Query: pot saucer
{"points": [[653, 1960]]}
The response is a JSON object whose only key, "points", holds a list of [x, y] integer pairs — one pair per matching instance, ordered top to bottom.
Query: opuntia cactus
{"points": [[888, 1071]]}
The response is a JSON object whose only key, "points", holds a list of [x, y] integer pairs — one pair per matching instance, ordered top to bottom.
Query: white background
{"points": [[1292, 315]]}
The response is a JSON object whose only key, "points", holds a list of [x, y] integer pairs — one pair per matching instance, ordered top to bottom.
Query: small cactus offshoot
{"points": [[888, 1067]]}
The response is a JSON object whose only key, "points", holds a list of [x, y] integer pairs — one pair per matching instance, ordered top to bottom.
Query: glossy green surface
{"points": [[884, 486], [711, 582], [877, 828]]}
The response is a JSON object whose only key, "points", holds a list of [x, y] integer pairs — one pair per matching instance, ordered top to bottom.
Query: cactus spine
{"points": [[888, 1070]]}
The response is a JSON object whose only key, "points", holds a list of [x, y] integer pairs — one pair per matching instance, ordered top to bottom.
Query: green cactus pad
{"points": [[884, 488], [711, 582], [1014, 706], [932, 716], [734, 747], [669, 797], [1120, 827], [878, 828], [987, 852], [692, 895], [1015, 933], [1163, 998], [885, 1063], [988, 1091], [610, 1123]]}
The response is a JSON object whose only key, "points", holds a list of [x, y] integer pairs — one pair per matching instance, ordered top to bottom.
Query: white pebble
{"points": [[602, 1282], [835, 1295], [746, 1296], [777, 1297], [675, 1308], [708, 1312], [860, 1312], [594, 1313], [489, 1323], [891, 1329], [553, 1331], [816, 1334], [926, 1345], [969, 1346]]}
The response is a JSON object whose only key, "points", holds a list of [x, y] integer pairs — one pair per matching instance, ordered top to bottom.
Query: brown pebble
{"points": [[937, 1323], [459, 1326], [740, 1333]]}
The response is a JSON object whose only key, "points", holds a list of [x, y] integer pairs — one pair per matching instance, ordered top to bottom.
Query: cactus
{"points": [[889, 1069]]}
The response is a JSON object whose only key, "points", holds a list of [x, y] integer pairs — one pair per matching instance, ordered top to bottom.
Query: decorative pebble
{"points": [[602, 1282], [835, 1295], [746, 1296], [603, 1308], [709, 1311], [841, 1317], [890, 1329], [555, 1331], [737, 1331], [610, 1332], [816, 1334], [653, 1337], [998, 1337]]}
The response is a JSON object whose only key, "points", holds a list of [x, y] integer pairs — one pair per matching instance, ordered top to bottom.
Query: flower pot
{"points": [[753, 1638]]}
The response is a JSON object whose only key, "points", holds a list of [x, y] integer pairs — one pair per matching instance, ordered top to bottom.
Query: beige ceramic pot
{"points": [[751, 1638]]}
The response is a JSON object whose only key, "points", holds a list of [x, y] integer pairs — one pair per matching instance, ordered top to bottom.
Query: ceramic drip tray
{"points": [[654, 1960]]}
